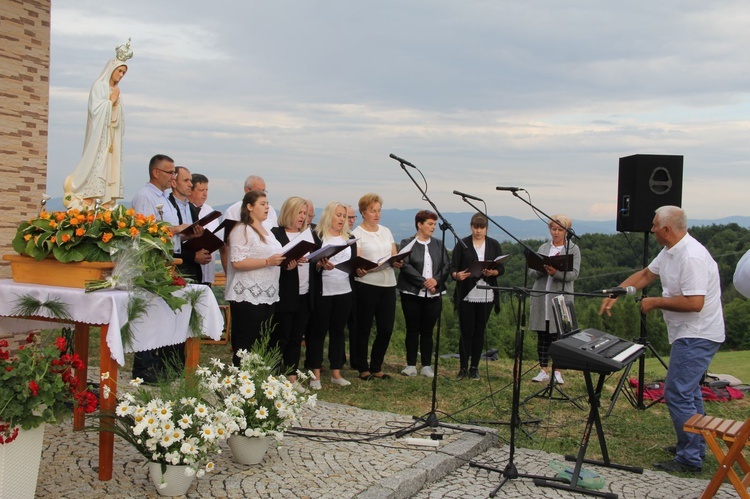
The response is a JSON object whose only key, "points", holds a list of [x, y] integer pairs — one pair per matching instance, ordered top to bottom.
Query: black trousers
{"points": [[376, 303], [420, 314], [329, 316], [472, 319], [247, 323], [288, 333]]}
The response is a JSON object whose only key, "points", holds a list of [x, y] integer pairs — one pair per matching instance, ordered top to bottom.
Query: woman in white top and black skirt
{"points": [[252, 286], [333, 298], [474, 305]]}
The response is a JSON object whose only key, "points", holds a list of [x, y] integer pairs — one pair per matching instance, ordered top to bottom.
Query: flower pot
{"points": [[51, 272], [248, 450], [19, 464], [174, 481]]}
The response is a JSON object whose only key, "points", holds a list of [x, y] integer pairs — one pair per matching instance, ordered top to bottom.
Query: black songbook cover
{"points": [[202, 222], [227, 224], [207, 241], [537, 261], [351, 265], [478, 266]]}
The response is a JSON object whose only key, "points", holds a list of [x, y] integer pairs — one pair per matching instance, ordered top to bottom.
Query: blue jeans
{"points": [[688, 362]]}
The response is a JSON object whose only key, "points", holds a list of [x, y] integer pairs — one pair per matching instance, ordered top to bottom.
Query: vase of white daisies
{"points": [[261, 403], [172, 426]]}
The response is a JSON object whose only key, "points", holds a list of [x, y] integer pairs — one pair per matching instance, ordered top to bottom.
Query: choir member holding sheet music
{"points": [[253, 273], [421, 283], [376, 289], [333, 295], [474, 305], [293, 309], [540, 316]]}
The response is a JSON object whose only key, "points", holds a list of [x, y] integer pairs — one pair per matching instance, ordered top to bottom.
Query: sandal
{"points": [[382, 376], [366, 377]]}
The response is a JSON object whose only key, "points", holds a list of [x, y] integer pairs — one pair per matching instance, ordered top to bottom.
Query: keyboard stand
{"points": [[593, 421]]}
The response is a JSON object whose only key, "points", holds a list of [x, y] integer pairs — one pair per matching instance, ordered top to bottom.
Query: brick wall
{"points": [[24, 110]]}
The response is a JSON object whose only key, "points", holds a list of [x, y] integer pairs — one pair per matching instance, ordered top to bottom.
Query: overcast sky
{"points": [[314, 96]]}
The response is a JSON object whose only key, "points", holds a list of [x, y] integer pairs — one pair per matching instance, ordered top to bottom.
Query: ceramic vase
{"points": [[249, 450], [19, 464], [174, 481]]}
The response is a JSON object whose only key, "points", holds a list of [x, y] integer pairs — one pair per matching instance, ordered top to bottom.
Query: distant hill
{"points": [[401, 223]]}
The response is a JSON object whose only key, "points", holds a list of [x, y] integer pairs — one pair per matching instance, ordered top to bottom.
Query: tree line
{"points": [[607, 259]]}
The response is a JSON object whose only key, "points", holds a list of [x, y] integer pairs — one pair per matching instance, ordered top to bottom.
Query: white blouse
{"points": [[375, 246], [258, 286]]}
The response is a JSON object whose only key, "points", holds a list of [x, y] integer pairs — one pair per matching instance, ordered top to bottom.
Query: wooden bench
{"points": [[734, 434]]}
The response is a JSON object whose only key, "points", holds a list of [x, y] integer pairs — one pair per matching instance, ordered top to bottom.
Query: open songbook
{"points": [[208, 240], [298, 247], [328, 251], [537, 261], [358, 262], [478, 266]]}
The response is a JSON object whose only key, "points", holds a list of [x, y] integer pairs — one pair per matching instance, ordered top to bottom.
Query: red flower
{"points": [[179, 281], [30, 338], [3, 343], [61, 344], [4, 355], [34, 387], [86, 401], [6, 434]]}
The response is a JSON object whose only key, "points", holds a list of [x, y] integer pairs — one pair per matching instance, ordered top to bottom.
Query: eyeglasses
{"points": [[171, 173], [352, 218]]}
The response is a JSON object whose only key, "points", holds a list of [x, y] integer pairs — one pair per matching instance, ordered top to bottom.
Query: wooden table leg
{"points": [[81, 347], [192, 354], [107, 405]]}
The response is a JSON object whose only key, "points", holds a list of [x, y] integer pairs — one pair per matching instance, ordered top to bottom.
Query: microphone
{"points": [[402, 161], [511, 189], [464, 195], [618, 291]]}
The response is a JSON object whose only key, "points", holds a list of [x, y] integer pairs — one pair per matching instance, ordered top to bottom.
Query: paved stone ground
{"points": [[342, 452]]}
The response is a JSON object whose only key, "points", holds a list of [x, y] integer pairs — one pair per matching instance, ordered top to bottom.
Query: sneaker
{"points": [[409, 371], [427, 372], [462, 373], [474, 373], [542, 377], [558, 378], [340, 382], [315, 384], [297, 386], [672, 449], [678, 467]]}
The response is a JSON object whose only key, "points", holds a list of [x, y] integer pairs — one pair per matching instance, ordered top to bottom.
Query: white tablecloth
{"points": [[160, 327]]}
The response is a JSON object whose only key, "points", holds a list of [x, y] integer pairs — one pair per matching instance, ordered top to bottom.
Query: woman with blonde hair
{"points": [[252, 286], [333, 297], [292, 312], [540, 315]]}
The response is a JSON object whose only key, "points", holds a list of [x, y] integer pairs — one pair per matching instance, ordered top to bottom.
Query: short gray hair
{"points": [[671, 216]]}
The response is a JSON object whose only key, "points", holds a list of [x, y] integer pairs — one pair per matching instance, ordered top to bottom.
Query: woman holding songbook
{"points": [[421, 283], [252, 286], [376, 289], [333, 297], [474, 305], [293, 309], [541, 319]]}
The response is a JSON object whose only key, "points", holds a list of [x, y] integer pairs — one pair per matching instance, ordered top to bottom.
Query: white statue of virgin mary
{"points": [[99, 172]]}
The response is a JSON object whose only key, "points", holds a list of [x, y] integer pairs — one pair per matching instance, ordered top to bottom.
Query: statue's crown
{"points": [[123, 52]]}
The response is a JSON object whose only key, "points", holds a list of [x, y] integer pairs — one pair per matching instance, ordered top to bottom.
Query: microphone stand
{"points": [[548, 391], [430, 420], [510, 472]]}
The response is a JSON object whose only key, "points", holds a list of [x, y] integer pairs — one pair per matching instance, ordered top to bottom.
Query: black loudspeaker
{"points": [[646, 182]]}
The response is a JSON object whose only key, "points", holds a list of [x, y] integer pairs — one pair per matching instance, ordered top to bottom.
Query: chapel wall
{"points": [[24, 113]]}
